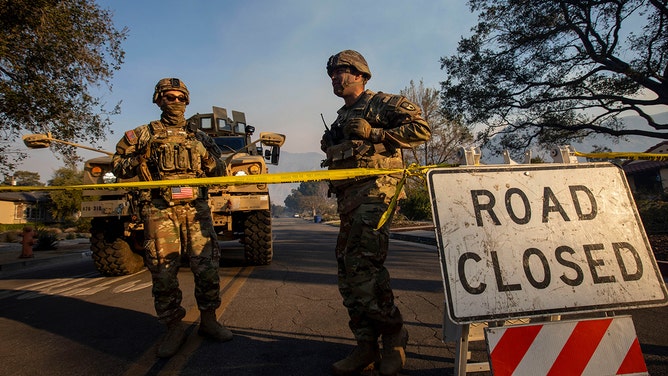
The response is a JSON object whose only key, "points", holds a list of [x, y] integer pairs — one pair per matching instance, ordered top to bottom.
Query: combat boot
{"points": [[210, 327], [172, 340], [394, 352], [361, 358]]}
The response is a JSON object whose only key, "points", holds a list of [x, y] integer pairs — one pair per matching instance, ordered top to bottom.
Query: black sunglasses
{"points": [[172, 98]]}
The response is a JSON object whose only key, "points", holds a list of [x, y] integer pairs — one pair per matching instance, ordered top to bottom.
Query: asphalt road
{"points": [[287, 317]]}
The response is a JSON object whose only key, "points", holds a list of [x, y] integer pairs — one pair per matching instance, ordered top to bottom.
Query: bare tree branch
{"points": [[560, 70]]}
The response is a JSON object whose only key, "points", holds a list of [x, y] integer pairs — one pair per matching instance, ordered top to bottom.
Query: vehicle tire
{"points": [[258, 249], [112, 255]]}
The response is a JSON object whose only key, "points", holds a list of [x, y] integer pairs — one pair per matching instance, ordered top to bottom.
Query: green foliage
{"points": [[52, 55], [546, 72], [23, 179], [312, 188], [311, 198], [65, 202], [417, 205], [277, 211], [654, 215], [83, 224], [10, 227], [46, 240]]}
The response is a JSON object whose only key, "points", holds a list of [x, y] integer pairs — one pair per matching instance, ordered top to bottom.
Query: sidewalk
{"points": [[418, 234], [71, 249]]}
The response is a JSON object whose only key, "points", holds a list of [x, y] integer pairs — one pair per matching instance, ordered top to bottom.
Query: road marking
{"points": [[80, 285], [230, 285], [132, 286]]}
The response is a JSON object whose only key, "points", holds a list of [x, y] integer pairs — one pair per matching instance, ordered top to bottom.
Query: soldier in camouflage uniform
{"points": [[370, 131], [176, 220]]}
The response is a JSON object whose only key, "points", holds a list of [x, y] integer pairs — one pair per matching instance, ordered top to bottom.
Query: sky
{"points": [[267, 58]]}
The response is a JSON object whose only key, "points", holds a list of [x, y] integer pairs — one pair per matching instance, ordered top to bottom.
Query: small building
{"points": [[648, 177], [24, 207]]}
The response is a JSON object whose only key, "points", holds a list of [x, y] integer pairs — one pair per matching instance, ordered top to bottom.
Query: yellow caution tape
{"points": [[624, 155], [412, 170], [304, 176], [275, 178], [393, 204]]}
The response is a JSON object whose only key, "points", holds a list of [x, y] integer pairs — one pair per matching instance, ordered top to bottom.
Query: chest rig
{"points": [[174, 153], [361, 153]]}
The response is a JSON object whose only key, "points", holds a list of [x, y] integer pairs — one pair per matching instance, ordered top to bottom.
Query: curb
{"points": [[413, 238]]}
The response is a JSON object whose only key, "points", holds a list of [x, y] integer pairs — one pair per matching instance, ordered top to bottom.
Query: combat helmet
{"points": [[348, 58], [167, 84]]}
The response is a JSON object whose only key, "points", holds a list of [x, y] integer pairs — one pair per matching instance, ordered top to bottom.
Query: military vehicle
{"points": [[240, 212]]}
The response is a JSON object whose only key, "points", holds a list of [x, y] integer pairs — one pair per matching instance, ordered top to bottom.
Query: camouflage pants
{"points": [[169, 231], [364, 282]]}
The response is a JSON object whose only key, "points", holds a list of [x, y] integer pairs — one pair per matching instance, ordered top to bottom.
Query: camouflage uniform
{"points": [[176, 220], [363, 280]]}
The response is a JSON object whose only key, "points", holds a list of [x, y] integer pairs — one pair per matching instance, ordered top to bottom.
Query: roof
{"points": [[660, 148], [644, 166], [635, 167], [24, 196]]}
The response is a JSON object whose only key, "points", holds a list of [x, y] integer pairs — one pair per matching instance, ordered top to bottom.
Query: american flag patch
{"points": [[131, 136], [180, 193]]}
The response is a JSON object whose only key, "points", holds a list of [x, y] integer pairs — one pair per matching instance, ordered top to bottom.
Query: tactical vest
{"points": [[175, 153], [358, 153]]}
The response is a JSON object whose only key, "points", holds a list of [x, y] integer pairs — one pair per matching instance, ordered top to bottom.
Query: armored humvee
{"points": [[239, 211]]}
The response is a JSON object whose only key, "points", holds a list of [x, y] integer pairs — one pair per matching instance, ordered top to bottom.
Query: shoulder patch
{"points": [[408, 106], [131, 137]]}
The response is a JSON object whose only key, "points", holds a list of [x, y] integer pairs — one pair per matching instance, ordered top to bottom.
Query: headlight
{"points": [[254, 169], [96, 171], [108, 178]]}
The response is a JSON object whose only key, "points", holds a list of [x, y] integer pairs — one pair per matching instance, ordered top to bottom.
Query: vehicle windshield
{"points": [[229, 144]]}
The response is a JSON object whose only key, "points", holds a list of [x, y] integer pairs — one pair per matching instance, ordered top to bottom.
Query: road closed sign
{"points": [[538, 240]]}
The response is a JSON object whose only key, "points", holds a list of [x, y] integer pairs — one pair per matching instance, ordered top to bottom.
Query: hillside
{"points": [[291, 162]]}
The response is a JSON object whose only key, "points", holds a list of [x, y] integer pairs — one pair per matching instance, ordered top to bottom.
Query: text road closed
{"points": [[517, 241]]}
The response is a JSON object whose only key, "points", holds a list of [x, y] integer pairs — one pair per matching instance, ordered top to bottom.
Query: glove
{"points": [[357, 129], [360, 129], [377, 135], [326, 141], [137, 160]]}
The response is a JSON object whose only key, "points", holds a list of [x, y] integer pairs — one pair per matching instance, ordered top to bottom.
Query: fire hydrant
{"points": [[27, 242]]}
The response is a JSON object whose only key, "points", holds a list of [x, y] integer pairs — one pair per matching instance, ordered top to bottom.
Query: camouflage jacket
{"points": [[403, 126]]}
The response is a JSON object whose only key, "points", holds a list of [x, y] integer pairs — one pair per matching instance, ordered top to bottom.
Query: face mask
{"points": [[172, 113]]}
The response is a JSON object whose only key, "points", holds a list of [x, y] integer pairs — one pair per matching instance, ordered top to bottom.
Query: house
{"points": [[648, 177], [24, 207]]}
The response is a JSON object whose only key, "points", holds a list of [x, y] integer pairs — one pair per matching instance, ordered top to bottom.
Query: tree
{"points": [[52, 53], [545, 72], [448, 135], [604, 149], [23, 178], [311, 197], [66, 203], [277, 210]]}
